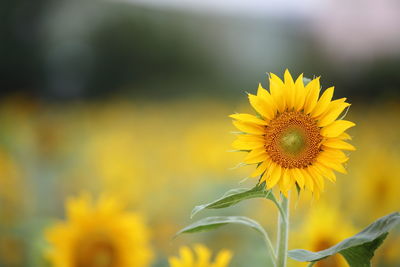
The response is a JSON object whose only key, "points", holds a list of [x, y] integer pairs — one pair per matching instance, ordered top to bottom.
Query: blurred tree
{"points": [[21, 65]]}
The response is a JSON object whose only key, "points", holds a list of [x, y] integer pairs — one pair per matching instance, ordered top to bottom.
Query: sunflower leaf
{"points": [[234, 196], [211, 223], [359, 249]]}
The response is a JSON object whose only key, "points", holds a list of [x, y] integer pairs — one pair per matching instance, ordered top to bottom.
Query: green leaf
{"points": [[234, 196], [211, 223], [358, 250], [364, 251]]}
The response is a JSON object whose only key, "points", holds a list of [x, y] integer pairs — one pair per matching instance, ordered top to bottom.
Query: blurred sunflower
{"points": [[296, 137], [378, 186], [319, 231], [99, 235], [201, 258]]}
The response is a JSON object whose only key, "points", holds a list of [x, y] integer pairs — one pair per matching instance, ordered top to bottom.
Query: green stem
{"points": [[281, 211], [283, 233], [270, 248], [311, 264]]}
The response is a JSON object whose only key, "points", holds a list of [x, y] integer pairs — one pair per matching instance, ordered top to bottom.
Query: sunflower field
{"points": [[165, 134]]}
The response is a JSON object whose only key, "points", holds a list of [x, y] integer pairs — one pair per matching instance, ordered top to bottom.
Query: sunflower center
{"points": [[293, 140], [324, 243], [95, 251]]}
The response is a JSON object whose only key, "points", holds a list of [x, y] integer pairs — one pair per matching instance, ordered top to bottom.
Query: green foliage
{"points": [[234, 196], [230, 198], [211, 223], [359, 249]]}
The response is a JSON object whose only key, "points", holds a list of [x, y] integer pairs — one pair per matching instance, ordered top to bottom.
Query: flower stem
{"points": [[283, 233], [270, 247]]}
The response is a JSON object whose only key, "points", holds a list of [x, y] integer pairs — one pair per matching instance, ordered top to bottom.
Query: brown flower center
{"points": [[293, 140], [322, 243], [95, 251]]}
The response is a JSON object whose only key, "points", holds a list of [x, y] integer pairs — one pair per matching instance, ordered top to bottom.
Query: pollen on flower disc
{"points": [[293, 140]]}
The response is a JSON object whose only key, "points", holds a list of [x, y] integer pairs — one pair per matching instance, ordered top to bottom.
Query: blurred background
{"points": [[131, 98]]}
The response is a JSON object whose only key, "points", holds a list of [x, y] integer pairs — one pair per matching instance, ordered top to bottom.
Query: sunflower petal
{"points": [[288, 77], [276, 87], [289, 90], [312, 90], [261, 91], [300, 93], [264, 95], [323, 102], [261, 106], [332, 113], [248, 118], [249, 127], [336, 128], [344, 136], [251, 138], [241, 144], [338, 144], [335, 154], [256, 156], [329, 163], [260, 169], [326, 172], [274, 175], [299, 177], [292, 178], [317, 178], [308, 181], [284, 183], [316, 194], [203, 255], [186, 256], [223, 258], [174, 262]]}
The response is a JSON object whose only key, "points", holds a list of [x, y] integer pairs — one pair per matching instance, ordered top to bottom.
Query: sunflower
{"points": [[296, 138], [378, 188], [319, 231], [99, 235], [201, 258]]}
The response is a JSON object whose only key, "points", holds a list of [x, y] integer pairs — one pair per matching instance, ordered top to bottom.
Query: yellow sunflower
{"points": [[297, 137], [378, 192], [320, 231], [99, 235], [201, 258]]}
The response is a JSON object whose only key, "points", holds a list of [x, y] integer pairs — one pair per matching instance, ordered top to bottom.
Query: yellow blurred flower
{"points": [[297, 137], [113, 159], [376, 176], [322, 228], [99, 235], [200, 258]]}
